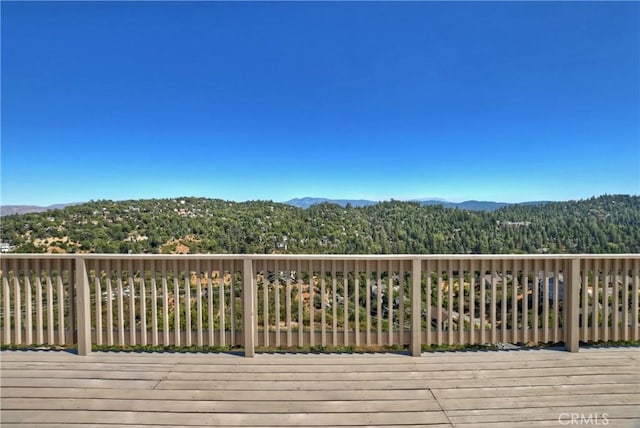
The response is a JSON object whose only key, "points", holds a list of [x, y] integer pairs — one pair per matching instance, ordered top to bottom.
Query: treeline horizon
{"points": [[604, 224]]}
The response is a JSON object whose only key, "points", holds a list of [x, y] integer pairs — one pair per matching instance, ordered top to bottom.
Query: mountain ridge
{"points": [[307, 201], [472, 205], [27, 209]]}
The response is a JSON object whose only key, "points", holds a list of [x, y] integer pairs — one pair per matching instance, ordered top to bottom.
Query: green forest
{"points": [[605, 224]]}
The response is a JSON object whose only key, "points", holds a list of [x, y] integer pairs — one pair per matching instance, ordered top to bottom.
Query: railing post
{"points": [[571, 305], [84, 307], [248, 308], [416, 309]]}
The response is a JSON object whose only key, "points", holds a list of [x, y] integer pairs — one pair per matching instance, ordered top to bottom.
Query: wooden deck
{"points": [[598, 386]]}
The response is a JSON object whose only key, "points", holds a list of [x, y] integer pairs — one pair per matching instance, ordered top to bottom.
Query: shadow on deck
{"points": [[541, 387]]}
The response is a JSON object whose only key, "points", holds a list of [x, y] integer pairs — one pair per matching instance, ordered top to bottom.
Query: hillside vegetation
{"points": [[606, 224]]}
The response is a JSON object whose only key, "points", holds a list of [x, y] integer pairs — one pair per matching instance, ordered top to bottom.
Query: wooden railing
{"points": [[317, 301]]}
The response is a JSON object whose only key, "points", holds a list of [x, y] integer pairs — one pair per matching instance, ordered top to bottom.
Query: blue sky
{"points": [[505, 101]]}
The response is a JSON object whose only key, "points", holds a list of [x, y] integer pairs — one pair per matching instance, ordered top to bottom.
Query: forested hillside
{"points": [[607, 224]]}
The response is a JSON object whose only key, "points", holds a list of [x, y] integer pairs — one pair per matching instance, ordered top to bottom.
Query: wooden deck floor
{"points": [[461, 389]]}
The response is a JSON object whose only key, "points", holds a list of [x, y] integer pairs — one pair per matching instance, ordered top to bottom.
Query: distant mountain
{"points": [[307, 202], [466, 205], [26, 209]]}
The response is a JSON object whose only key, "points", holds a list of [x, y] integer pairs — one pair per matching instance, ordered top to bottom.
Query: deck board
{"points": [[458, 389]]}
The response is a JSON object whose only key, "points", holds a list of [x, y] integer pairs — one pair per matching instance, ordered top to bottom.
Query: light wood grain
{"points": [[461, 389]]}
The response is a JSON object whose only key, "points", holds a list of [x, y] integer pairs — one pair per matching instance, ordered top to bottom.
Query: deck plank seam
{"points": [[166, 375], [444, 412]]}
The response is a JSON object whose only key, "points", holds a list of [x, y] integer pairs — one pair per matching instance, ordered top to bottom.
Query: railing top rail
{"points": [[89, 256]]}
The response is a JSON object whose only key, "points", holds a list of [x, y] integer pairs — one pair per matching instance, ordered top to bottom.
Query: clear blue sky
{"points": [[503, 101]]}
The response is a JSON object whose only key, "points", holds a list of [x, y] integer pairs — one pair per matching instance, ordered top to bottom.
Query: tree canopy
{"points": [[605, 224]]}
